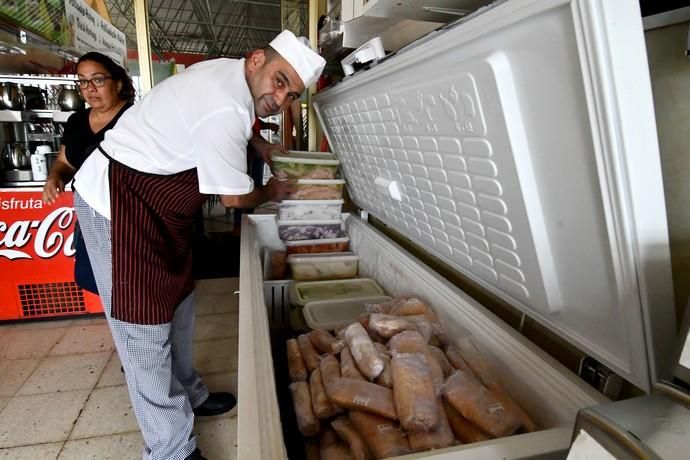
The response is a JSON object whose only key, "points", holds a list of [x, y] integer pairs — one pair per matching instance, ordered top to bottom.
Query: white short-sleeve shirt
{"points": [[200, 118]]}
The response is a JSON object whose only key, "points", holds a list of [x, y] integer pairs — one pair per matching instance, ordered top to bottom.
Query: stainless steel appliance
{"points": [[11, 96]]}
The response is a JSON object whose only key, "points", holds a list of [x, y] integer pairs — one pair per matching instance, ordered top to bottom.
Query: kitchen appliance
{"points": [[11, 96], [36, 98], [69, 99], [518, 148], [15, 156]]}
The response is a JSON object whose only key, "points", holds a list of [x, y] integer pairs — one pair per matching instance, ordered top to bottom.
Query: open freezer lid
{"points": [[519, 146]]}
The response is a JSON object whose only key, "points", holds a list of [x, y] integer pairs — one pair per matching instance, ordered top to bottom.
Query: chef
{"points": [[136, 198]]}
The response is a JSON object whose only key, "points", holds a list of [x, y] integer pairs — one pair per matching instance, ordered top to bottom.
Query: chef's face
{"points": [[273, 82], [101, 91]]}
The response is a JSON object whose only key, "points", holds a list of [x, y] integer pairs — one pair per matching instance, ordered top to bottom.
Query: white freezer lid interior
{"points": [[523, 142]]}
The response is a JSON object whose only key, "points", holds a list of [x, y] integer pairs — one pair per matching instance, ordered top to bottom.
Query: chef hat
{"points": [[307, 63]]}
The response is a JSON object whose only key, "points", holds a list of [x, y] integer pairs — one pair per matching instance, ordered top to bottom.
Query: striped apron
{"points": [[152, 228]]}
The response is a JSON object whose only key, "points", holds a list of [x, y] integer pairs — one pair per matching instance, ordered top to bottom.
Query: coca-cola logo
{"points": [[48, 236]]}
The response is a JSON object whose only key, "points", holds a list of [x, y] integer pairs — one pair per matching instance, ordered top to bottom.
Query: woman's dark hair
{"points": [[127, 91]]}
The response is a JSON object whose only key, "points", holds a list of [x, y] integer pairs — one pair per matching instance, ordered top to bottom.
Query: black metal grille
{"points": [[50, 299]]}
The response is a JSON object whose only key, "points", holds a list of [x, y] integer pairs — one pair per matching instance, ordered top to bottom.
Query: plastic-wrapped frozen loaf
{"points": [[310, 209], [308, 229], [331, 266], [363, 351], [413, 391], [481, 406], [307, 422]]}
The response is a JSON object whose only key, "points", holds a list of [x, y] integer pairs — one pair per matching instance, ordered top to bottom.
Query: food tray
{"points": [[305, 165], [317, 189], [309, 209], [291, 230], [318, 246], [315, 267], [309, 291], [331, 314]]}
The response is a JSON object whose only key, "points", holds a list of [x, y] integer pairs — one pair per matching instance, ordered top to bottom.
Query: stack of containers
{"points": [[310, 221], [326, 290]]}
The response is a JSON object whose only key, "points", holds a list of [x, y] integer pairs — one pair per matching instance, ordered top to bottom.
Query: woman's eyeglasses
{"points": [[97, 82]]}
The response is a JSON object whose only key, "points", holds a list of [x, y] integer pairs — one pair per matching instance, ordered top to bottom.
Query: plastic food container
{"points": [[305, 165], [317, 189], [309, 209], [291, 230], [316, 246], [274, 264], [314, 267], [308, 291], [332, 314]]}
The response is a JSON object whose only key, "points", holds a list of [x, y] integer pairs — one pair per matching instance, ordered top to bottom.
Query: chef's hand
{"points": [[265, 149], [52, 188], [278, 190]]}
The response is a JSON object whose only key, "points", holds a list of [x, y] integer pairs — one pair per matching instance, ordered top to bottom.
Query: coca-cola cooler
{"points": [[516, 148], [37, 257]]}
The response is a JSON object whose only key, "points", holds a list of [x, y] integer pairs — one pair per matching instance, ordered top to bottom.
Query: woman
{"points": [[107, 88]]}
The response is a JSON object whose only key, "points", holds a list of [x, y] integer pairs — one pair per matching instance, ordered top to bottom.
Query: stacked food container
{"points": [[310, 221]]}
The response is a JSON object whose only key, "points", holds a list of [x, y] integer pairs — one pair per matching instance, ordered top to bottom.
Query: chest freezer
{"points": [[518, 147]]}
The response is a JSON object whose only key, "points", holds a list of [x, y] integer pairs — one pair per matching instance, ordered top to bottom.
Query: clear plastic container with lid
{"points": [[305, 165], [317, 189], [309, 209], [291, 230], [340, 244], [315, 267], [308, 291], [332, 314]]}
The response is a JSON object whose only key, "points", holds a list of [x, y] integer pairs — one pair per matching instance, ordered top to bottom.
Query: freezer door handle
{"points": [[391, 187]]}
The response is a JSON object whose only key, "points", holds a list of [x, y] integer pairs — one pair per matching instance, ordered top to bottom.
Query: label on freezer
{"points": [[585, 447]]}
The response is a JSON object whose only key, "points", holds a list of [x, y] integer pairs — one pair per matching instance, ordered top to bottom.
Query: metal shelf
{"points": [[16, 116], [43, 137]]}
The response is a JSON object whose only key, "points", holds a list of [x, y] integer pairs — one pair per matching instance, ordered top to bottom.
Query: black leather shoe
{"points": [[215, 404], [196, 455]]}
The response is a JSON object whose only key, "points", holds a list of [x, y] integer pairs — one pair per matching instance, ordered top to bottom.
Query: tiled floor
{"points": [[62, 395]]}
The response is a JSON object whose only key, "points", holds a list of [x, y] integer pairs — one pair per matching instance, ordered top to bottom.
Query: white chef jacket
{"points": [[200, 118]]}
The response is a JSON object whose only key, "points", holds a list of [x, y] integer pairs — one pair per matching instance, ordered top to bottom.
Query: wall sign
{"points": [[93, 33]]}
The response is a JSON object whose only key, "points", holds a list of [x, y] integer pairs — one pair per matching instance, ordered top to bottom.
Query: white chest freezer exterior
{"points": [[518, 147]]}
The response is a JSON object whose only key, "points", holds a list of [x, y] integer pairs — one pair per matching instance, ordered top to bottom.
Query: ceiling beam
{"points": [[203, 14]]}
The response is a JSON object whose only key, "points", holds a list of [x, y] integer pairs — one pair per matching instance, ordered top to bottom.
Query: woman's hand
{"points": [[60, 173], [53, 187]]}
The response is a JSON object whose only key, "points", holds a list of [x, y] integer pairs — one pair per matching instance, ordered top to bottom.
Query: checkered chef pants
{"points": [[157, 359]]}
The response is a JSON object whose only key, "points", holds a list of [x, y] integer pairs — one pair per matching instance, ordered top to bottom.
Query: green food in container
{"points": [[305, 165]]}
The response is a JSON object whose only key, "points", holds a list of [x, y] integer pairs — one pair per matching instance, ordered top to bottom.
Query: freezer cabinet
{"points": [[543, 387]]}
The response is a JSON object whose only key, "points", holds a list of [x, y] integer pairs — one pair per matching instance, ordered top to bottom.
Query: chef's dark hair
{"points": [[270, 52], [127, 91]]}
